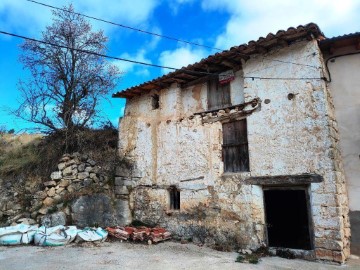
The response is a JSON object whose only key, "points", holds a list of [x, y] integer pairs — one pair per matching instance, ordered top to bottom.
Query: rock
{"points": [[65, 158], [70, 162], [91, 162], [61, 166], [81, 167], [88, 169], [67, 171], [56, 175], [83, 175], [87, 182], [64, 183], [50, 184], [71, 188], [59, 190], [121, 190], [51, 192], [40, 195], [57, 198], [48, 201], [13, 206], [93, 209], [43, 210], [122, 212], [34, 214], [17, 217], [55, 219], [27, 221]]}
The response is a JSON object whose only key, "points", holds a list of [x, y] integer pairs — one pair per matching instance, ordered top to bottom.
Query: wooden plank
{"points": [[218, 95], [235, 146], [299, 179]]}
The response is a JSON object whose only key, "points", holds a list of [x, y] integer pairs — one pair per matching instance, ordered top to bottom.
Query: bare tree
{"points": [[67, 83]]}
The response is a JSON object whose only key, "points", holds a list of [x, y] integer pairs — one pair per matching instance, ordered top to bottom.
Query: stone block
{"points": [[91, 162], [61, 166], [81, 167], [88, 169], [67, 171], [56, 175], [83, 175], [122, 181], [87, 182], [64, 183], [50, 184], [59, 190], [121, 190], [51, 192], [324, 199], [48, 201], [93, 209], [43, 210], [122, 212], [55, 219], [328, 244], [323, 254], [338, 256]]}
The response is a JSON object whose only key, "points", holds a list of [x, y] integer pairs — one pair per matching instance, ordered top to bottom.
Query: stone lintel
{"points": [[300, 179]]}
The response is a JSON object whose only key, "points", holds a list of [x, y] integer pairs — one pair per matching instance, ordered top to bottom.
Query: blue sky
{"points": [[215, 23]]}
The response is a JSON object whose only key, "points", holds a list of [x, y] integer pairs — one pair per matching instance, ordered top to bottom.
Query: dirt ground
{"points": [[168, 255]]}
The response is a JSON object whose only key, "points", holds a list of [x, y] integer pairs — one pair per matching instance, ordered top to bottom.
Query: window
{"points": [[218, 95], [155, 102], [235, 147], [174, 198]]}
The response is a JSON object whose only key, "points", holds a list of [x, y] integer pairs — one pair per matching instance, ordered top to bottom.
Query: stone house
{"points": [[342, 59], [240, 150]]}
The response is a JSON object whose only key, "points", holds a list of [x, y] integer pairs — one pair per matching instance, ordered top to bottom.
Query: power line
{"points": [[127, 27], [159, 35], [102, 55], [147, 64]]}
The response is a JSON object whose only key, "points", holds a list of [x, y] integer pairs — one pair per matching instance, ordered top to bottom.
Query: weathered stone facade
{"points": [[291, 131]]}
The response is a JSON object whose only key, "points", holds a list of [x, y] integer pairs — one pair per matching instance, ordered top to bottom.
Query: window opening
{"points": [[218, 94], [155, 102], [235, 147], [174, 198]]}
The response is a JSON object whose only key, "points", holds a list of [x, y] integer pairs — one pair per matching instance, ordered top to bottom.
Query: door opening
{"points": [[287, 218]]}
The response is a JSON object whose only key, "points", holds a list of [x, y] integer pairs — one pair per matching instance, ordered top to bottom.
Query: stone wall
{"points": [[290, 132], [78, 193]]}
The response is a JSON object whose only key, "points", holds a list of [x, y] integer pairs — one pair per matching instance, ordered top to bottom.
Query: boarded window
{"points": [[218, 95], [235, 147], [174, 198]]}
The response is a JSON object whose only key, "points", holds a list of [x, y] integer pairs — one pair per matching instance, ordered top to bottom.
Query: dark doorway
{"points": [[287, 218]]}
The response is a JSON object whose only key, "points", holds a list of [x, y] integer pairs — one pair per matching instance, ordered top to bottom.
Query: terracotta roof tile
{"points": [[213, 63]]}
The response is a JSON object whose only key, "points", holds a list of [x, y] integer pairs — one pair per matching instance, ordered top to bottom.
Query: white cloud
{"points": [[251, 19], [180, 57], [128, 67]]}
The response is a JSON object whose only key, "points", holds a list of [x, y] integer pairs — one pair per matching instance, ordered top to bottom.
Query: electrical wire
{"points": [[127, 27], [157, 34], [103, 55], [148, 64]]}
